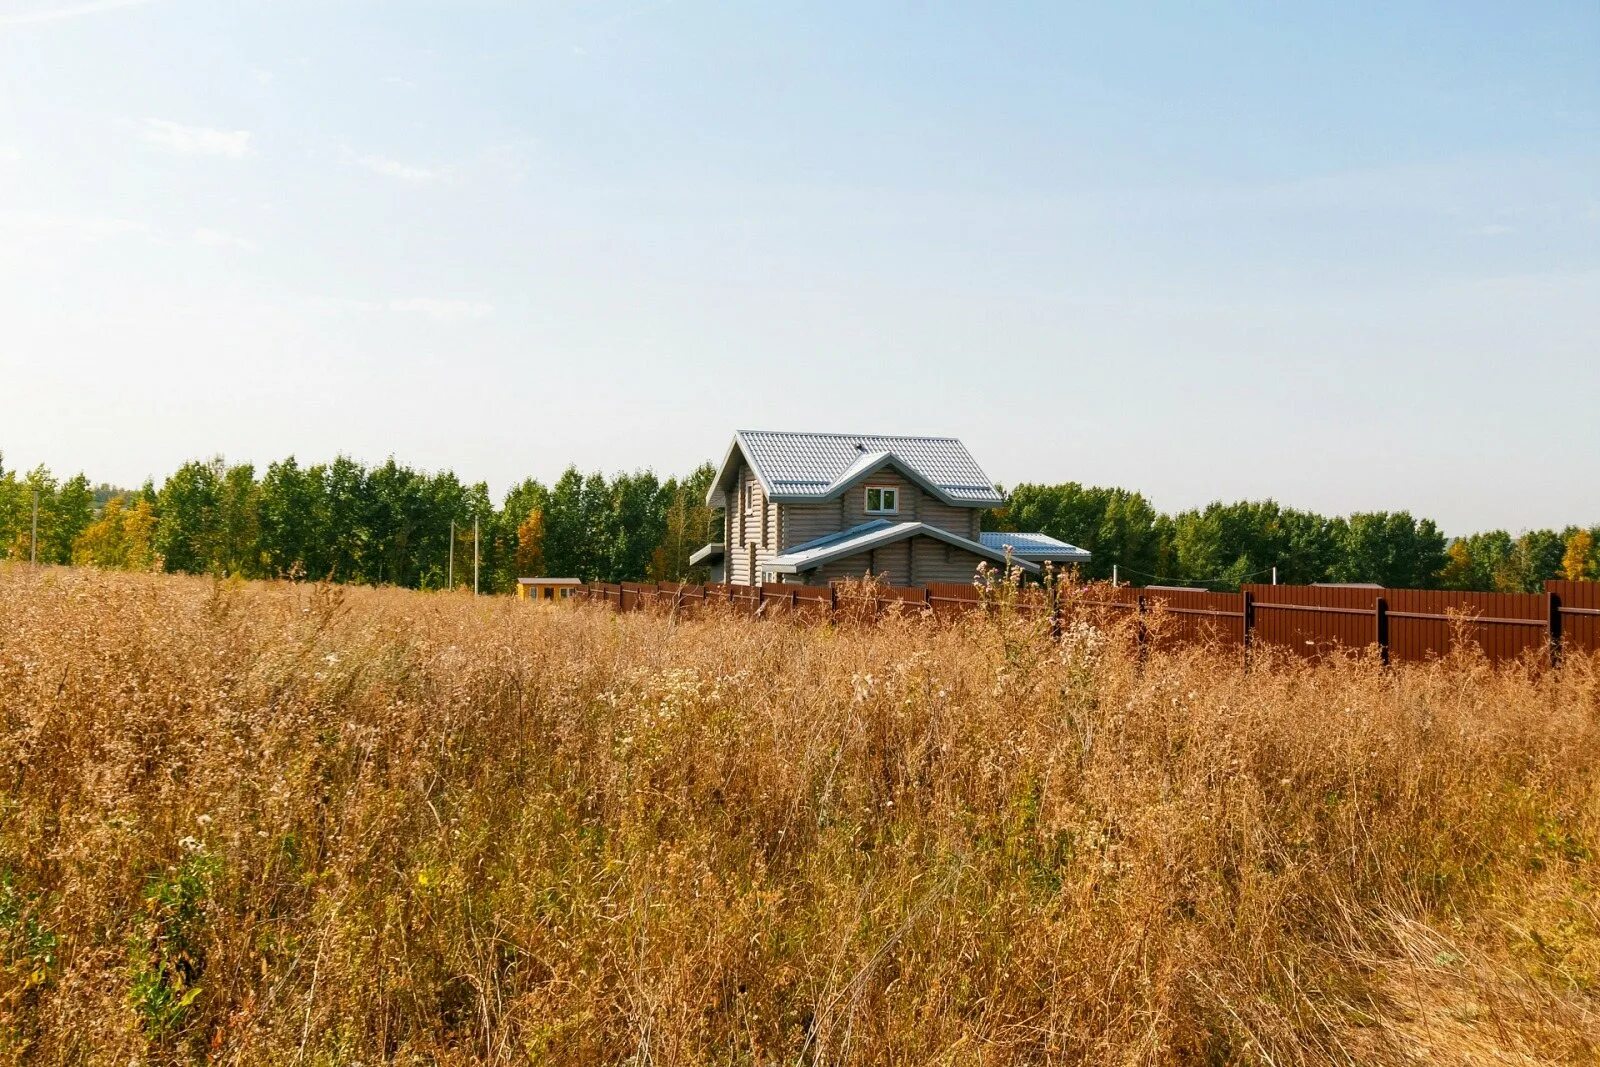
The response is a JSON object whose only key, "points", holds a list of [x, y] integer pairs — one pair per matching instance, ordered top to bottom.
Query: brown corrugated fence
{"points": [[1404, 625]]}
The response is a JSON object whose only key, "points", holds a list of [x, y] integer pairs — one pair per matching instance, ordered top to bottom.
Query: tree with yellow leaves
{"points": [[120, 539], [530, 544], [1578, 561], [1458, 567]]}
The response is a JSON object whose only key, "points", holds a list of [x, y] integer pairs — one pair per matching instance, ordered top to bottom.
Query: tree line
{"points": [[346, 522], [391, 524], [1223, 545]]}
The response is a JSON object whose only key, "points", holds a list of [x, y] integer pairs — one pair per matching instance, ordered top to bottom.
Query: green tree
{"points": [[14, 509], [71, 513], [292, 515], [346, 519], [189, 525], [1115, 525], [686, 527], [520, 534], [1391, 549], [238, 550], [1534, 557]]}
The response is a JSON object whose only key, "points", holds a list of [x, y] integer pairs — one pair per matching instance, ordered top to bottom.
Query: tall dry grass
{"points": [[291, 824]]}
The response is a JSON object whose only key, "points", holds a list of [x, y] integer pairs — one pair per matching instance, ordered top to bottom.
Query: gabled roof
{"points": [[800, 467], [876, 534], [1034, 546]]}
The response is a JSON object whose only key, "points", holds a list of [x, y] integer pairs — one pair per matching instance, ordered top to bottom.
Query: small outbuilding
{"points": [[546, 588]]}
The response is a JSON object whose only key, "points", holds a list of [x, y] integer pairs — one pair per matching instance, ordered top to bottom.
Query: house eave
{"points": [[871, 539], [708, 553]]}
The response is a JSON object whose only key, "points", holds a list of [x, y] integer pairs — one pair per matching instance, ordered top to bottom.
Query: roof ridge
{"points": [[824, 433]]}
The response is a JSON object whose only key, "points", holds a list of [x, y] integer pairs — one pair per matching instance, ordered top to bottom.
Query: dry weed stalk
{"points": [[279, 823]]}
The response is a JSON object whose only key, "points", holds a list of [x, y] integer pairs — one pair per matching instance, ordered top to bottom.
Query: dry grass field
{"points": [[274, 823]]}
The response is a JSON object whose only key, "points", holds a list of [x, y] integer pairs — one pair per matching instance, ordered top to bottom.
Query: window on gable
{"points": [[882, 500]]}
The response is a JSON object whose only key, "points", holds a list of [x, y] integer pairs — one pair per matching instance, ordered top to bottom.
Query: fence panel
{"points": [[776, 598], [680, 599], [902, 599], [950, 600], [813, 601], [1099, 605], [1579, 605], [1186, 616], [1313, 620], [1424, 622], [1409, 624]]}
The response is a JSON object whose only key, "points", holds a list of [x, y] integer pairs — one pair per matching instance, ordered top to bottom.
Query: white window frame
{"points": [[883, 491]]}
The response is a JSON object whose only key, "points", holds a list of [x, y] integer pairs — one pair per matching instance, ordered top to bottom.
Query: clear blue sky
{"points": [[1344, 256]]}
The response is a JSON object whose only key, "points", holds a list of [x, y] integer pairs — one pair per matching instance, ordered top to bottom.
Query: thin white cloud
{"points": [[56, 13], [197, 140], [10, 155], [406, 172], [71, 227], [1494, 229], [207, 237], [443, 310]]}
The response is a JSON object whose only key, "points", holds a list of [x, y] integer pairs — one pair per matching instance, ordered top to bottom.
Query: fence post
{"points": [[833, 603], [1248, 607], [1553, 610], [1380, 618], [1143, 631]]}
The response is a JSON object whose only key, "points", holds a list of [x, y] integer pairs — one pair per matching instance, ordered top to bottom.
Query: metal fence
{"points": [[1404, 625]]}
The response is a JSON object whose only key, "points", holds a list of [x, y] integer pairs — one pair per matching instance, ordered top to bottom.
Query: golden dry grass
{"points": [[273, 823]]}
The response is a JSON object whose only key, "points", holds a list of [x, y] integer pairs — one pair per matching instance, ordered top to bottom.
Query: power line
{"points": [[1221, 578]]}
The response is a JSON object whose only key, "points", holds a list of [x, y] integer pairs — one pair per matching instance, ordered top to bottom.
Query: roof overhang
{"points": [[868, 536], [1035, 546], [708, 554]]}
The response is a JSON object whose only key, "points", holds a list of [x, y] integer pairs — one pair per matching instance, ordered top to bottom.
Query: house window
{"points": [[882, 500]]}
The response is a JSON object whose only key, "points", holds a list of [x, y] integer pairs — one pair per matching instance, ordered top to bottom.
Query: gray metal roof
{"points": [[818, 466], [875, 534], [1033, 546]]}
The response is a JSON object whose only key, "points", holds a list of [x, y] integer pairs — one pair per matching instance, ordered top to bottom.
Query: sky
{"points": [[1346, 256]]}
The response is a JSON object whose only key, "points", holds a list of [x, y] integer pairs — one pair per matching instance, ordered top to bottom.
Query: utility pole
{"points": [[33, 546], [474, 555], [450, 564], [1274, 575], [1113, 576]]}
